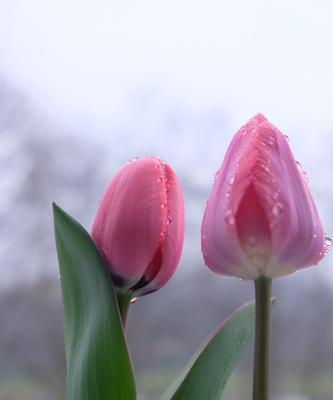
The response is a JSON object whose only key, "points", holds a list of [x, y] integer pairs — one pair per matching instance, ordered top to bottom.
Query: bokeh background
{"points": [[87, 85]]}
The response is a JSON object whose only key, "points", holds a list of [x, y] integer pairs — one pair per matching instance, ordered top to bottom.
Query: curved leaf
{"points": [[98, 363], [210, 368]]}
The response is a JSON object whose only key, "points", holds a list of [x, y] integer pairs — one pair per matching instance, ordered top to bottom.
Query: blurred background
{"points": [[87, 85]]}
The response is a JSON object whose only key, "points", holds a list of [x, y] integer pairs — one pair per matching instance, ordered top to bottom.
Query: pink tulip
{"points": [[260, 219], [139, 226]]}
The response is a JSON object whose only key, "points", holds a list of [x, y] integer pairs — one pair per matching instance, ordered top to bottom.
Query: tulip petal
{"points": [[135, 204], [260, 218], [253, 229], [298, 238], [220, 245], [171, 247]]}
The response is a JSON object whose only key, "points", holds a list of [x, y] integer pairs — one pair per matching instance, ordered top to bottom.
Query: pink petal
{"points": [[260, 218], [131, 219], [171, 247]]}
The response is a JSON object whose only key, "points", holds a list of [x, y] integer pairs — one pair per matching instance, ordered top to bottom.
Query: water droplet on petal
{"points": [[286, 137], [271, 140], [132, 160], [299, 164], [305, 176], [159, 179], [231, 179], [275, 195], [163, 205], [277, 209], [169, 220], [230, 220], [272, 224], [252, 240], [328, 241], [258, 260], [133, 300]]}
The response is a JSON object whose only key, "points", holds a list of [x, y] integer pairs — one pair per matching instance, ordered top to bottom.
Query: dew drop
{"points": [[286, 137], [271, 140], [132, 160], [299, 164], [305, 176], [159, 179], [231, 179], [275, 195], [163, 205], [277, 209], [229, 218], [169, 220], [272, 224], [252, 240], [328, 241], [258, 260], [133, 300]]}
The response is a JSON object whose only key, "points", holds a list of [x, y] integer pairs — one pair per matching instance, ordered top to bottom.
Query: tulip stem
{"points": [[263, 287], [123, 299]]}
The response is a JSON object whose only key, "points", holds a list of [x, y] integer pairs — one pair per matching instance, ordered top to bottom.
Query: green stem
{"points": [[263, 288], [124, 300]]}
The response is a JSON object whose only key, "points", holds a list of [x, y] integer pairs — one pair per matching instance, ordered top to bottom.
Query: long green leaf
{"points": [[98, 364], [208, 371]]}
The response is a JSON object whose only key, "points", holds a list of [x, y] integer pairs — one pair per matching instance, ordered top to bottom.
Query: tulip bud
{"points": [[260, 219], [139, 226]]}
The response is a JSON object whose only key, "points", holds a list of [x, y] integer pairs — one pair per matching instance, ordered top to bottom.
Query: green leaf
{"points": [[98, 363], [210, 368]]}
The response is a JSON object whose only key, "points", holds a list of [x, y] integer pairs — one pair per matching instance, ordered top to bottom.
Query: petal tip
{"points": [[258, 118]]}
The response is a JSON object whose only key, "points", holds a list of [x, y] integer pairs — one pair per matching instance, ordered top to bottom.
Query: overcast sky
{"points": [[87, 56]]}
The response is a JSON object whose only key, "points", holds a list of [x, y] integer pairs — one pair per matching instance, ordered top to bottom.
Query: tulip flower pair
{"points": [[260, 219], [260, 223]]}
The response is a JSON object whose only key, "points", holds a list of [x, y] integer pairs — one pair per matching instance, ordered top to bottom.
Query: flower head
{"points": [[260, 218], [139, 226]]}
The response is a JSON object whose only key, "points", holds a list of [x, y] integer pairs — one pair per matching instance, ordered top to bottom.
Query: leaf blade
{"points": [[98, 363], [209, 369]]}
